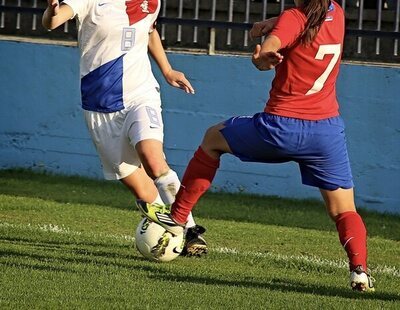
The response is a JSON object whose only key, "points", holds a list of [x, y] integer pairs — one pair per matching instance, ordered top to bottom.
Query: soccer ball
{"points": [[157, 244]]}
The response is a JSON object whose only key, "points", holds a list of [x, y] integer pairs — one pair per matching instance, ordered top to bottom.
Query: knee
{"points": [[210, 138], [152, 158], [153, 162], [338, 201], [335, 210], [332, 214]]}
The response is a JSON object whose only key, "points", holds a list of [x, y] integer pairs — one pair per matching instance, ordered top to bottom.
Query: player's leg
{"points": [[146, 135], [239, 136], [243, 136], [151, 154], [119, 160], [324, 163], [200, 172], [196, 180], [167, 182], [194, 184], [142, 186], [144, 189], [338, 201], [352, 234], [195, 245]]}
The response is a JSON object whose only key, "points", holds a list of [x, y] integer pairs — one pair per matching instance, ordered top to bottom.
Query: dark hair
{"points": [[315, 11]]}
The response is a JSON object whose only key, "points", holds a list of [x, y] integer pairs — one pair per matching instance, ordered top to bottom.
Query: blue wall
{"points": [[41, 123]]}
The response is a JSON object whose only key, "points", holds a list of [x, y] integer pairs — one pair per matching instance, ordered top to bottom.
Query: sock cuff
{"points": [[206, 159], [170, 176], [168, 185], [343, 215]]}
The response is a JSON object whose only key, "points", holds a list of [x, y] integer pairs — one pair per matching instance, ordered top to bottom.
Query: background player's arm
{"points": [[56, 14], [262, 28], [266, 56], [173, 77]]}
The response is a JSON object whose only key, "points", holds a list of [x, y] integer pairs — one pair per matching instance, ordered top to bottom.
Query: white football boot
{"points": [[361, 281]]}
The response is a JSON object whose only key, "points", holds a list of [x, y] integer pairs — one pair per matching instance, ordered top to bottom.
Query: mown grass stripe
{"points": [[339, 264]]}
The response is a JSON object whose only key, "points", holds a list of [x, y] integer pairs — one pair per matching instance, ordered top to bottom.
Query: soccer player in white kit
{"points": [[121, 97]]}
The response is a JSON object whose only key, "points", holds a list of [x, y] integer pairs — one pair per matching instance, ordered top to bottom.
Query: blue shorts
{"points": [[319, 147]]}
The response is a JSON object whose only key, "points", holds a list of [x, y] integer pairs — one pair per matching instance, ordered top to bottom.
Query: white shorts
{"points": [[116, 134]]}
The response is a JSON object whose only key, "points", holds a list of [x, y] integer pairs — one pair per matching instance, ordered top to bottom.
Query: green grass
{"points": [[67, 243]]}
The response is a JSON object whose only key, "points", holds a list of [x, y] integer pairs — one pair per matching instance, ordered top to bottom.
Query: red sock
{"points": [[197, 179], [353, 237]]}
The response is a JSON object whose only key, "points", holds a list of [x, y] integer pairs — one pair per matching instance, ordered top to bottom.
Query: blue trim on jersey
{"points": [[101, 89], [319, 147]]}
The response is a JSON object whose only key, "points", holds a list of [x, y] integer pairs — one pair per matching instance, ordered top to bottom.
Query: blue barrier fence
{"points": [[41, 122]]}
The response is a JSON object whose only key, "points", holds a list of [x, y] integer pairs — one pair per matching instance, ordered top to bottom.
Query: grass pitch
{"points": [[67, 243]]}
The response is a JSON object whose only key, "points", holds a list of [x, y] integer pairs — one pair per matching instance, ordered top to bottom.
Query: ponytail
{"points": [[315, 11]]}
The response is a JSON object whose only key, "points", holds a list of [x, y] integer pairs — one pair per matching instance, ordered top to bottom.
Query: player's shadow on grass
{"points": [[70, 257], [74, 258], [282, 286]]}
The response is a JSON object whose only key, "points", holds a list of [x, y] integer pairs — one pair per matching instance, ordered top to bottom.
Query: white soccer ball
{"points": [[157, 244]]}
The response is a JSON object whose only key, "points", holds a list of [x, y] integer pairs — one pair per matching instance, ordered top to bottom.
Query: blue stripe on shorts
{"points": [[319, 147]]}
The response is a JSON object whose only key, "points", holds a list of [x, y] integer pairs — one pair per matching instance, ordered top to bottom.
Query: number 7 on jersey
{"points": [[323, 50]]}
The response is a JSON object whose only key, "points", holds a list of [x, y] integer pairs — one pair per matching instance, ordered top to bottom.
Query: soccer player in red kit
{"points": [[300, 123]]}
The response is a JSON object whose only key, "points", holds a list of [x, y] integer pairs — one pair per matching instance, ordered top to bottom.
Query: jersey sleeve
{"points": [[79, 7], [155, 17], [289, 26], [152, 27]]}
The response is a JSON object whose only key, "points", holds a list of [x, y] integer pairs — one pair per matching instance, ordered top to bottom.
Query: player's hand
{"points": [[54, 6], [262, 28], [265, 60], [178, 79]]}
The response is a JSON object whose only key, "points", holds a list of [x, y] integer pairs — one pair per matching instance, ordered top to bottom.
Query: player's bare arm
{"points": [[56, 14], [262, 28], [267, 57], [173, 77]]}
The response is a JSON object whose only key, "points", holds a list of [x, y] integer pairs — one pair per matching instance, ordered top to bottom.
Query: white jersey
{"points": [[113, 38]]}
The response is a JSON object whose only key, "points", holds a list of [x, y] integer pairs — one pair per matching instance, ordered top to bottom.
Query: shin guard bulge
{"points": [[197, 179], [353, 237]]}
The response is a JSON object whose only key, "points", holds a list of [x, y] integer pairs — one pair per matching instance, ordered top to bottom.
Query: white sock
{"points": [[168, 185], [158, 200], [190, 221]]}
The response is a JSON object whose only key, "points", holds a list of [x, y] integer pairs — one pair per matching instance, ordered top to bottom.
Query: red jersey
{"points": [[304, 83]]}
